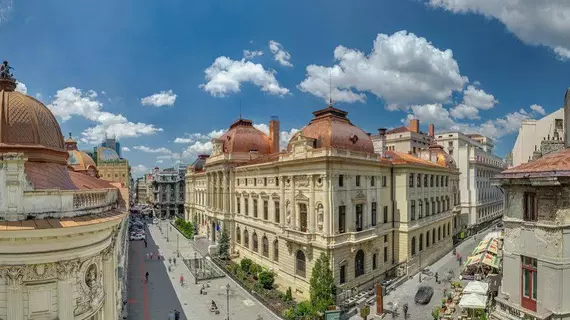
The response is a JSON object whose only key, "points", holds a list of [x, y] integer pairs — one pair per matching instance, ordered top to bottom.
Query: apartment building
{"points": [[167, 188]]}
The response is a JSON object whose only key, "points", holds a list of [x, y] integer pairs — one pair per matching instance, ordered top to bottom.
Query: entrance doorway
{"points": [[213, 235]]}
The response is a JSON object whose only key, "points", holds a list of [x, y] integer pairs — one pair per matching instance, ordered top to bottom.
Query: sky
{"points": [[165, 77]]}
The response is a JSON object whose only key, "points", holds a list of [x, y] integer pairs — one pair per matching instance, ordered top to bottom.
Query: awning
{"points": [[491, 246], [484, 258], [477, 287], [473, 301]]}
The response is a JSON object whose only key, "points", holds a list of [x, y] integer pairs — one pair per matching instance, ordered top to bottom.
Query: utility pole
{"points": [[420, 274], [228, 301]]}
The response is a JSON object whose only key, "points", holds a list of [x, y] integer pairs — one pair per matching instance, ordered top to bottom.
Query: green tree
{"points": [[224, 245], [246, 264], [266, 278], [323, 289]]}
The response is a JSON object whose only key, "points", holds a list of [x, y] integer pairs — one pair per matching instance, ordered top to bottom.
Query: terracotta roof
{"points": [[399, 130], [244, 137], [404, 158], [554, 164], [49, 176], [83, 181], [61, 223]]}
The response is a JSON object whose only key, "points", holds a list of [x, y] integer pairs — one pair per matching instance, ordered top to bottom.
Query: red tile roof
{"points": [[399, 130], [404, 158], [554, 164], [45, 175], [83, 181]]}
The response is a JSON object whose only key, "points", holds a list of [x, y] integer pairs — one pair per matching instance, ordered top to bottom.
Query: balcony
{"points": [[429, 219], [298, 236], [505, 309]]}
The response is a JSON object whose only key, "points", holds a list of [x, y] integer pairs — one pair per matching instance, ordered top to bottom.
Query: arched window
{"points": [[444, 226], [448, 227], [439, 233], [238, 235], [433, 236], [246, 239], [427, 239], [421, 242], [255, 243], [265, 246], [413, 246], [275, 250], [359, 264], [300, 270]]}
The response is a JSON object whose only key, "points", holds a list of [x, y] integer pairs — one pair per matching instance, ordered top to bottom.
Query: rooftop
{"points": [[554, 164]]}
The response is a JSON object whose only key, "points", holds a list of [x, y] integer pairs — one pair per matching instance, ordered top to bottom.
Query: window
{"points": [[341, 180], [411, 180], [419, 180], [425, 180], [431, 180], [441, 180], [277, 181], [358, 181], [384, 181], [437, 181], [447, 181], [255, 182], [265, 182], [372, 182], [246, 203], [238, 205], [427, 206], [433, 206], [530, 207], [255, 208], [265, 209], [420, 209], [413, 210], [277, 212], [373, 213], [385, 214], [303, 216], [359, 218], [341, 219], [444, 226], [448, 227], [439, 233], [238, 235], [433, 236], [385, 238], [246, 239], [427, 239], [421, 242], [255, 243], [265, 246], [413, 246], [275, 250], [385, 254], [374, 261], [359, 264], [300, 269], [342, 274], [529, 285]]}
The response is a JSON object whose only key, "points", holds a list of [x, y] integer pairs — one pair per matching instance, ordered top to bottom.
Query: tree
{"points": [[224, 245], [266, 278], [323, 289]]}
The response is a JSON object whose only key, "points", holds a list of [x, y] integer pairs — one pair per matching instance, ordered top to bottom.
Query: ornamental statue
{"points": [[5, 71]]}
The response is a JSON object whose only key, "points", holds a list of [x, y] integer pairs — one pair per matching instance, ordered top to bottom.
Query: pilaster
{"points": [[282, 201], [293, 204], [311, 208], [328, 213], [66, 271], [14, 281], [109, 282]]}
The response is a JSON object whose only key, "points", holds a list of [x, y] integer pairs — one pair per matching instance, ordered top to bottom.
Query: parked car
{"points": [[155, 220], [500, 224], [137, 236], [424, 294]]}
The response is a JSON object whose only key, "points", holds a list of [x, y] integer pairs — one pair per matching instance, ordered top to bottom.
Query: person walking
{"points": [[145, 244], [146, 276], [436, 277], [176, 314], [171, 315]]}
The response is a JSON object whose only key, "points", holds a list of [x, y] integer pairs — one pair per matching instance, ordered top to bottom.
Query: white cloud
{"points": [[5, 9], [544, 22], [250, 54], [279, 54], [402, 69], [225, 76], [21, 87], [164, 98], [478, 98], [71, 102], [538, 109], [463, 111], [432, 113], [284, 136], [193, 137], [197, 148], [126, 149], [150, 150], [166, 157], [159, 161], [140, 169]]}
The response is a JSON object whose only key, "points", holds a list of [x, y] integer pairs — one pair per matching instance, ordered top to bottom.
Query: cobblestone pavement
{"points": [[406, 292], [165, 293]]}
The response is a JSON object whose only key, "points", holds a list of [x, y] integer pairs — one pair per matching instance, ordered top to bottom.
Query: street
{"points": [[164, 291]]}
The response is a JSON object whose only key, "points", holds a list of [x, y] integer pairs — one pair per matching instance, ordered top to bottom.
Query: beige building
{"points": [[406, 139], [112, 167], [329, 192], [63, 231]]}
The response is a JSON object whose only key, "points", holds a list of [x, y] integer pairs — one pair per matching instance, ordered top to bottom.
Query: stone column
{"points": [[225, 191], [231, 195], [207, 198], [282, 200], [293, 204], [311, 213], [329, 214], [66, 272], [15, 303], [110, 305]]}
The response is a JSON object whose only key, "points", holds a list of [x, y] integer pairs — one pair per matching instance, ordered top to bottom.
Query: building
{"points": [[532, 132], [404, 139], [80, 161], [111, 166], [141, 190], [328, 192], [168, 193], [481, 202], [536, 227], [66, 229]]}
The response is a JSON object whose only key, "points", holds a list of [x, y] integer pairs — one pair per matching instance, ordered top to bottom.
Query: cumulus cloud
{"points": [[5, 9], [544, 23], [250, 54], [279, 54], [402, 69], [225, 76], [21, 87], [478, 98], [161, 99], [72, 101], [538, 109], [463, 111], [284, 136], [193, 137], [126, 149], [151, 150], [159, 161], [140, 169]]}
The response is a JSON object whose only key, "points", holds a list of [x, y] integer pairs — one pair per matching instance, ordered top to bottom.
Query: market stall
{"points": [[487, 246], [479, 266], [477, 287], [472, 304]]}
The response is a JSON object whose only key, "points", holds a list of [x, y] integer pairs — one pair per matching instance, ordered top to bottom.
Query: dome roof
{"points": [[26, 125], [331, 128], [244, 137], [80, 160]]}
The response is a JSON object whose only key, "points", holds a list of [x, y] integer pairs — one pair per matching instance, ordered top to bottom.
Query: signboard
{"points": [[332, 315]]}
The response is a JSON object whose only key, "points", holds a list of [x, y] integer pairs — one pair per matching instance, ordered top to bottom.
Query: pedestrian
{"points": [[145, 244], [458, 255], [146, 256], [151, 256], [174, 259], [460, 260], [146, 276], [436, 277], [176, 314], [171, 315]]}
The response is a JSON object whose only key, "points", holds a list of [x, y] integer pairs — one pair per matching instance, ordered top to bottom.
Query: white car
{"points": [[155, 221], [138, 236]]}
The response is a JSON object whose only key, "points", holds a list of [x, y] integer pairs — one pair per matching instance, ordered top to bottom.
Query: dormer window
{"points": [[354, 139]]}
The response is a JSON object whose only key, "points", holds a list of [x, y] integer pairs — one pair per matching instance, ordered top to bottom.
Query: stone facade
{"points": [[167, 189]]}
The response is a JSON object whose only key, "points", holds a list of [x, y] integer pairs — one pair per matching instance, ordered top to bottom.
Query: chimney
{"points": [[567, 119], [414, 125], [431, 131], [274, 134], [382, 135]]}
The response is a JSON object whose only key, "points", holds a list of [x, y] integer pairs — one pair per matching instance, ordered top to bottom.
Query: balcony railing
{"points": [[429, 219], [505, 309]]}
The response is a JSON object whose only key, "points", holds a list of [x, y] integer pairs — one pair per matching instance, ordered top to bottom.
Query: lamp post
{"points": [[167, 232], [177, 245], [195, 268], [420, 274], [228, 300]]}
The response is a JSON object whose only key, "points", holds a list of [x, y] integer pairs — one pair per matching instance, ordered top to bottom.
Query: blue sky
{"points": [[472, 65]]}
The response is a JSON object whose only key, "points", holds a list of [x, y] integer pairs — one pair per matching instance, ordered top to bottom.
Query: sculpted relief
{"points": [[320, 216]]}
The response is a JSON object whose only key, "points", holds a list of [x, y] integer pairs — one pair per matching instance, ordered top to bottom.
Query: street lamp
{"points": [[167, 233], [177, 245], [195, 268], [420, 274], [228, 301]]}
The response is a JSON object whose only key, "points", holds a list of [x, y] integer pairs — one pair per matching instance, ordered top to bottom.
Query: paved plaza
{"points": [[163, 292]]}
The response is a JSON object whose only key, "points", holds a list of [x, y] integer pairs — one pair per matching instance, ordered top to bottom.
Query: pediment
{"points": [[301, 196]]}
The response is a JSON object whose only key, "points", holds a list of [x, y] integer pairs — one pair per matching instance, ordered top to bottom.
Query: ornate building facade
{"points": [[167, 187], [329, 192], [62, 231]]}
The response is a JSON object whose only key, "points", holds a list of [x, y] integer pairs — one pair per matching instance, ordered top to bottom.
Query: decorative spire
{"points": [[7, 80]]}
